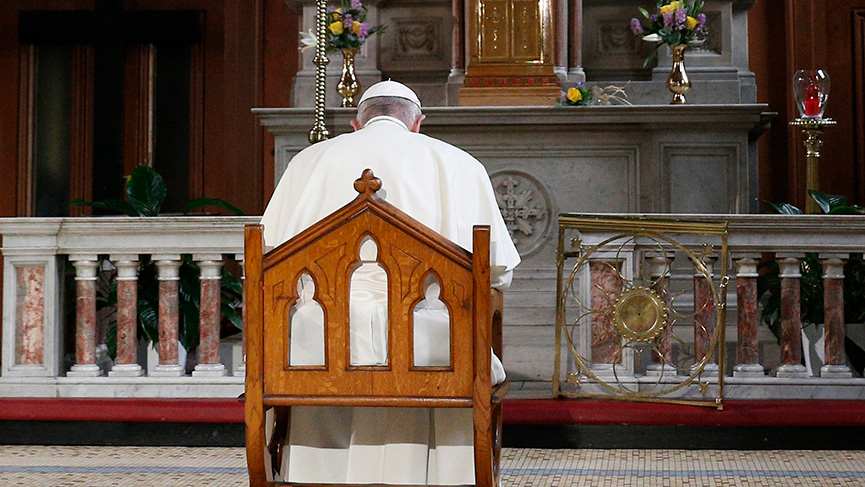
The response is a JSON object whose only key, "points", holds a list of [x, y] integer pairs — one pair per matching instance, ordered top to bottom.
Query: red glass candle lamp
{"points": [[811, 88]]}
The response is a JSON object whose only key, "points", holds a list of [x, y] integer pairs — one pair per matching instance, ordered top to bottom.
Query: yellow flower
{"points": [[670, 7], [337, 13], [690, 23], [355, 27], [336, 28], [574, 95]]}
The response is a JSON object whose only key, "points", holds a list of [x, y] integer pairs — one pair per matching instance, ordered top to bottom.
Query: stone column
{"points": [[575, 44], [457, 76], [86, 267], [168, 269], [659, 271], [833, 304], [705, 316], [209, 317], [791, 319], [606, 341], [748, 348], [126, 363], [240, 367]]}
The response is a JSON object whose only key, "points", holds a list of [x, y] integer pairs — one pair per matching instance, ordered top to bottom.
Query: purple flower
{"points": [[356, 5], [653, 17], [681, 17], [668, 19], [701, 19], [347, 21], [636, 27], [363, 31]]}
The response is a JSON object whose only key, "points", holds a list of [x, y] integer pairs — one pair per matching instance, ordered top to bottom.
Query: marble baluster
{"points": [[86, 267], [168, 270], [606, 285], [833, 303], [210, 316], [704, 316], [791, 319], [748, 348], [662, 357], [126, 363], [240, 365]]}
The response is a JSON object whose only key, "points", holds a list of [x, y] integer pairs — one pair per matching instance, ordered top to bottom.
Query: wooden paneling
{"points": [[766, 38], [280, 66], [81, 160]]}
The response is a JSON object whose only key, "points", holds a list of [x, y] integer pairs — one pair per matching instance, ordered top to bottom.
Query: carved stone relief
{"points": [[418, 39], [526, 206]]}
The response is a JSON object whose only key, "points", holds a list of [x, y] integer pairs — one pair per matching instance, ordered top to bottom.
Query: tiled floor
{"points": [[177, 467]]}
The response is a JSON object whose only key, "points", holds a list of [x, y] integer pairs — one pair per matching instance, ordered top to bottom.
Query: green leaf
{"points": [[644, 12], [676, 38], [146, 190], [827, 201], [197, 203], [112, 205], [784, 208], [847, 210], [148, 318], [188, 329], [111, 340]]}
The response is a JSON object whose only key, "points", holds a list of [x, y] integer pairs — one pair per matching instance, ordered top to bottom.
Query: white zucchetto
{"points": [[390, 88]]}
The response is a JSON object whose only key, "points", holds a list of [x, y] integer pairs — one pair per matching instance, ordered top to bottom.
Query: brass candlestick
{"points": [[319, 129], [813, 129]]}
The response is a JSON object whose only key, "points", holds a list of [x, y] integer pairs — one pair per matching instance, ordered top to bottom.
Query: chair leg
{"points": [[483, 444], [257, 455]]}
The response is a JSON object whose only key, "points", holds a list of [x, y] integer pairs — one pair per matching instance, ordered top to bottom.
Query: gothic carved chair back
{"points": [[328, 253]]}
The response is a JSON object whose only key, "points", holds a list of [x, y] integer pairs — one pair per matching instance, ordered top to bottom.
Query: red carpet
{"points": [[516, 411]]}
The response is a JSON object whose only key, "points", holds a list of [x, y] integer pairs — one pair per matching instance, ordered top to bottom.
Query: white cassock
{"points": [[447, 190]]}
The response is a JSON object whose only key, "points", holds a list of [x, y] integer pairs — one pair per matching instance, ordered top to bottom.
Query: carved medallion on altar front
{"points": [[526, 206]]}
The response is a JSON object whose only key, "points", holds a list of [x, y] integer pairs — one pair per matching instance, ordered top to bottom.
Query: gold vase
{"points": [[678, 81], [349, 85]]}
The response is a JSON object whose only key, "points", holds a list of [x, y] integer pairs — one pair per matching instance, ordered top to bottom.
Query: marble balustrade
{"points": [[37, 362]]}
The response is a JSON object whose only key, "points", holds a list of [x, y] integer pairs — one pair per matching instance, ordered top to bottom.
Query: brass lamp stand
{"points": [[319, 129], [813, 129]]}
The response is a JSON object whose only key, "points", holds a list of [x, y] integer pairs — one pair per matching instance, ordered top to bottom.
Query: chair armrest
{"points": [[500, 390]]}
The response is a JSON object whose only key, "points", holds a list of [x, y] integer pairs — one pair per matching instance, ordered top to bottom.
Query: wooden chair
{"points": [[409, 252]]}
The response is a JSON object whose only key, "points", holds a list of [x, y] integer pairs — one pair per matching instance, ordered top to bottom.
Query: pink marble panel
{"points": [[606, 287], [833, 302], [29, 314], [127, 318], [704, 318], [168, 322], [791, 322], [85, 331], [663, 344], [208, 348], [747, 351]]}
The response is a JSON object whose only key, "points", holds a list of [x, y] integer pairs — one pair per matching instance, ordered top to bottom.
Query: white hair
{"points": [[394, 106]]}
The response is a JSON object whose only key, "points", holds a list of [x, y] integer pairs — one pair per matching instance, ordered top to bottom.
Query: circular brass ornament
{"points": [[640, 314]]}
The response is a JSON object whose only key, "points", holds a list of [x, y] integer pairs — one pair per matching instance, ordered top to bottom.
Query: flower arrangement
{"points": [[676, 22], [347, 27], [580, 95]]}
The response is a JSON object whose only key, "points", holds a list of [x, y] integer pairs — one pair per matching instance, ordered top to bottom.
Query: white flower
{"points": [[652, 38], [308, 40]]}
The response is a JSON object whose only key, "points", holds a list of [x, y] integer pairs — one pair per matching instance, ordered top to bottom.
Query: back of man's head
{"points": [[400, 108]]}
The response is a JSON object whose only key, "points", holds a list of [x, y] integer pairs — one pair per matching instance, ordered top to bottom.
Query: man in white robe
{"points": [[447, 190]]}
